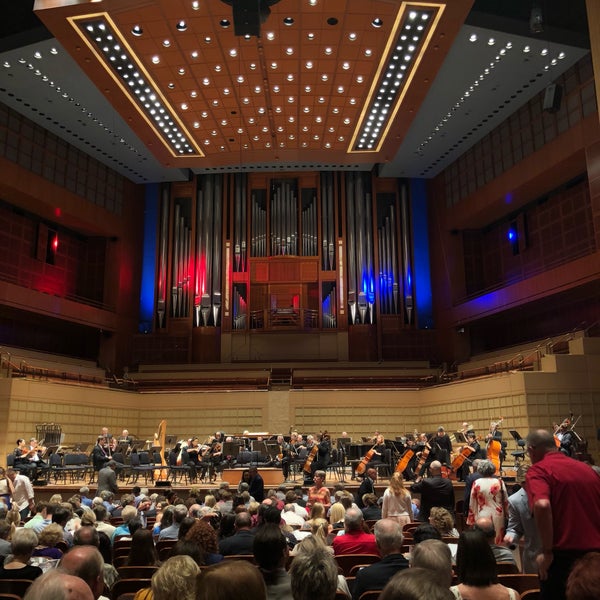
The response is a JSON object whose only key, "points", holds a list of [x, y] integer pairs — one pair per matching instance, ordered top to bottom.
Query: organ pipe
{"points": [[217, 236], [406, 258], [162, 263]]}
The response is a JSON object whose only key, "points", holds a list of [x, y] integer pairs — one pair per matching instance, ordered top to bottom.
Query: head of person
{"points": [[441, 431], [539, 443], [435, 467], [486, 468], [372, 473], [319, 477], [397, 484], [369, 500], [317, 511], [129, 513], [337, 513], [441, 519], [243, 520], [353, 520], [485, 525], [320, 529], [426, 531], [51, 535], [86, 535], [204, 536], [388, 536], [23, 542], [270, 547], [191, 549], [142, 551], [435, 556], [85, 562], [475, 562], [314, 574], [175, 579], [231, 580], [584, 580], [415, 584], [55, 585]]}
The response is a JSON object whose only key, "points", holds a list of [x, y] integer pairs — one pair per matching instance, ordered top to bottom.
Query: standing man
{"points": [[443, 446], [284, 456], [107, 478], [257, 485], [367, 486], [435, 491], [22, 492], [564, 496]]}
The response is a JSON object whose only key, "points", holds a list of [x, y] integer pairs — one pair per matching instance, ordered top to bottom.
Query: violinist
{"points": [[565, 437], [195, 453], [477, 453], [215, 454], [22, 457], [323, 457]]}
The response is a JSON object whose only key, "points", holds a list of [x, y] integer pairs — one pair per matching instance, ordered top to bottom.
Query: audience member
{"points": [[107, 478], [256, 485], [367, 486], [435, 491], [22, 493], [564, 495], [489, 498], [397, 503], [371, 510], [129, 513], [443, 521], [102, 522], [521, 524], [172, 531], [426, 532], [206, 537], [389, 538], [47, 540], [355, 540], [241, 542], [142, 552], [501, 553], [270, 554], [435, 556], [85, 562], [17, 564], [476, 570], [314, 575], [176, 579], [231, 580], [584, 580], [415, 584], [58, 586]]}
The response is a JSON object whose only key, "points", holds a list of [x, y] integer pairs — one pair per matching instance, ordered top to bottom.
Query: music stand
{"points": [[515, 434], [460, 437], [170, 440], [137, 445], [80, 446], [123, 448], [259, 448], [231, 449], [272, 449]]}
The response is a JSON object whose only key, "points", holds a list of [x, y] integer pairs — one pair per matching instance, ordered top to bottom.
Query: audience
{"points": [[206, 537], [48, 538], [355, 540], [241, 542], [142, 552], [271, 553], [501, 553], [85, 562], [17, 564], [175, 579]]}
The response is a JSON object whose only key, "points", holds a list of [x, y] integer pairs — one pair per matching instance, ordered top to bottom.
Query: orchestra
{"points": [[300, 454]]}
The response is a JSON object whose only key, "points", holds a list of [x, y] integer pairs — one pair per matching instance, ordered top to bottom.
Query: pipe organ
{"points": [[310, 253]]}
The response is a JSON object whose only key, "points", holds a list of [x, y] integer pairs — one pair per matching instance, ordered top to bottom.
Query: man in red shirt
{"points": [[564, 496], [355, 540]]}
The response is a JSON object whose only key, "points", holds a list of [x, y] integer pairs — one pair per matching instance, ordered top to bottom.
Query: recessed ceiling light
{"points": [[196, 4], [289, 21], [377, 22], [224, 23], [181, 26], [137, 30], [310, 35], [270, 36], [352, 36], [473, 37], [491, 42], [166, 43], [527, 49], [328, 50], [289, 51], [233, 52], [368, 52], [194, 54], [155, 59], [309, 64], [273, 65], [345, 66], [218, 68], [290, 77], [240, 79], [184, 106], [196, 124]]}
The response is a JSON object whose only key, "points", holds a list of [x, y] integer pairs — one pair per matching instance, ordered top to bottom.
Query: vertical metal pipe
{"points": [[330, 225], [237, 226], [244, 231], [217, 239], [360, 247], [207, 249], [199, 256], [394, 259], [175, 262], [407, 263], [162, 266], [352, 295]]}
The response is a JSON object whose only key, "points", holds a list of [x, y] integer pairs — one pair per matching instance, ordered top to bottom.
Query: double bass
{"points": [[494, 446]]}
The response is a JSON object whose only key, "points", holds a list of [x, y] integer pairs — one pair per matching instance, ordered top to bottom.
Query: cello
{"points": [[310, 458], [423, 458], [404, 460], [361, 467]]}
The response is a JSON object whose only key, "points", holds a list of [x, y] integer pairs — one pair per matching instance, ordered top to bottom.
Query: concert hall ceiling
{"points": [[156, 88]]}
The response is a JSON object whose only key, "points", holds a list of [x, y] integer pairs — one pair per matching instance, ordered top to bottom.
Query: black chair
{"points": [[140, 465], [182, 472]]}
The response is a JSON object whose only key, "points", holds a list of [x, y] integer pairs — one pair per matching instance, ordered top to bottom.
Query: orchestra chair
{"points": [[141, 464], [75, 465], [335, 467], [56, 468], [180, 472], [121, 543], [346, 561], [506, 568], [137, 572], [520, 582], [15, 586], [128, 586], [370, 595], [531, 595]]}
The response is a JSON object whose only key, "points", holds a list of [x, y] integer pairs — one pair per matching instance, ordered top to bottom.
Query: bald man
{"points": [[435, 491], [85, 562], [58, 586]]}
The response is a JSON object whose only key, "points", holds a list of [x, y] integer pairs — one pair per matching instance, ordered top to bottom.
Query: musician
{"points": [[495, 435], [565, 437], [125, 438], [111, 441], [442, 445], [423, 446], [378, 449], [100, 453], [195, 453], [478, 453], [215, 454], [323, 457], [283, 458], [22, 459], [409, 471]]}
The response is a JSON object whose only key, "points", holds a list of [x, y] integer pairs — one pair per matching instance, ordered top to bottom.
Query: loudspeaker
{"points": [[552, 98]]}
